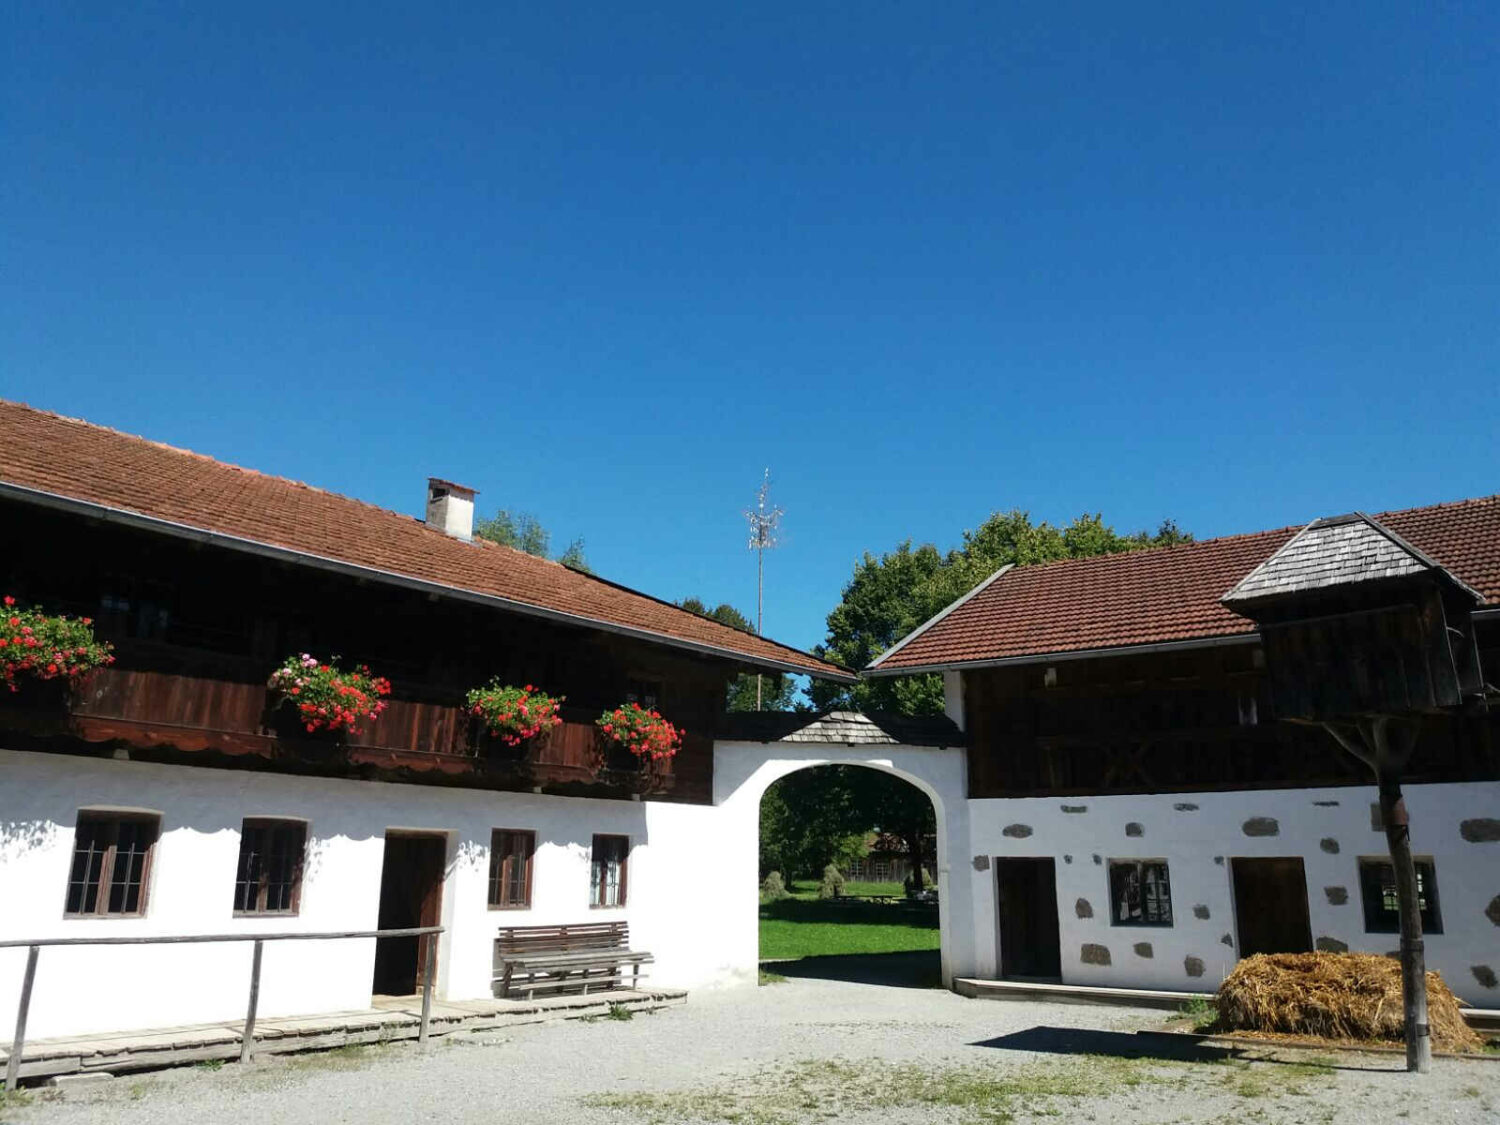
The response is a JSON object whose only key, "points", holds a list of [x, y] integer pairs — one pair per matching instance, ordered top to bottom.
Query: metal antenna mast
{"points": [[763, 519]]}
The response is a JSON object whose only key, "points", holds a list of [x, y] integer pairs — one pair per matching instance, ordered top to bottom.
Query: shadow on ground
{"points": [[920, 969], [1117, 1044], [1164, 1045]]}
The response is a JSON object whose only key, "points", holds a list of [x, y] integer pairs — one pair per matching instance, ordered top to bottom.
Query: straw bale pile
{"points": [[1338, 996]]}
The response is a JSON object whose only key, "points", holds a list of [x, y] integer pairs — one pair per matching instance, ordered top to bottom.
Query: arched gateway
{"points": [[758, 749]]}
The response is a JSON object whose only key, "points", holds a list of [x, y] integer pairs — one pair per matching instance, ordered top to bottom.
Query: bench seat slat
{"points": [[583, 957]]}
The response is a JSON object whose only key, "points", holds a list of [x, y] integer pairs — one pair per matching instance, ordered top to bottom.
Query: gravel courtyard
{"points": [[802, 1050]]}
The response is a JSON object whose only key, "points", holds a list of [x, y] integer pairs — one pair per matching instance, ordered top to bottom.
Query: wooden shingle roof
{"points": [[65, 462], [1329, 553], [841, 728]]}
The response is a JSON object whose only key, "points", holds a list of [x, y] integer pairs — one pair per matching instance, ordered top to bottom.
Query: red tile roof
{"points": [[81, 462], [1164, 595]]}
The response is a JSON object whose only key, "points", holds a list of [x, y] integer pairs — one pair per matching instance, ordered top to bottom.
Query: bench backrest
{"points": [[571, 938]]}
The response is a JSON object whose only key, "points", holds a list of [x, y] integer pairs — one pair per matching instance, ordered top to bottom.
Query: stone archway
{"points": [[743, 771]]}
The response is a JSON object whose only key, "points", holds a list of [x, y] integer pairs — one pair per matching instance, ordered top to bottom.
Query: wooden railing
{"points": [[231, 711], [247, 1037]]}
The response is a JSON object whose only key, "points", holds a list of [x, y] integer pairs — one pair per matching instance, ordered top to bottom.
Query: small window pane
{"points": [[111, 854], [510, 867], [269, 874], [607, 875], [1377, 884], [1140, 893]]}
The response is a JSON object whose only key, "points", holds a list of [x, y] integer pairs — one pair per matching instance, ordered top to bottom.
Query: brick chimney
{"points": [[450, 508]]}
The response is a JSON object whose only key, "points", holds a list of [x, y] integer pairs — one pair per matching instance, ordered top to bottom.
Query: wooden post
{"points": [[1413, 953], [428, 968], [247, 1040], [18, 1041]]}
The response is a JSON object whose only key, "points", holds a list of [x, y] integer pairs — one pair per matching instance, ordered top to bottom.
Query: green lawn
{"points": [[808, 888], [805, 927]]}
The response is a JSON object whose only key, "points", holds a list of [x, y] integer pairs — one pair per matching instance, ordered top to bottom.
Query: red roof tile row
{"points": [[83, 462], [1167, 594]]}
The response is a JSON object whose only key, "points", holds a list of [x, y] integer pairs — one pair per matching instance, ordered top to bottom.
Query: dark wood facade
{"points": [[199, 629], [1194, 720]]}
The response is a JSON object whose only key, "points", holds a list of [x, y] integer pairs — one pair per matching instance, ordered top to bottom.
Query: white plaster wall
{"points": [[1197, 834], [192, 883]]}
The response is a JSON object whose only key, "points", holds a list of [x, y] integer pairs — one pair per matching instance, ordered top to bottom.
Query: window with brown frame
{"points": [[511, 853], [111, 864], [269, 877], [607, 877]]}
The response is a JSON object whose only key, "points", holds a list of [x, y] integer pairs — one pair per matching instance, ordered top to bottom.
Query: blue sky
{"points": [[1236, 265]]}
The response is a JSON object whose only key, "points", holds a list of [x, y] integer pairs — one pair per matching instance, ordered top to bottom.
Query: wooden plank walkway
{"points": [[390, 1019]]}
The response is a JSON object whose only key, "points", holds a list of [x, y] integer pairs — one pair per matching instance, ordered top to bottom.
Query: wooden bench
{"points": [[585, 957]]}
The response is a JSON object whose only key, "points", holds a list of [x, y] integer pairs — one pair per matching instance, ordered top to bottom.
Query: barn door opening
{"points": [[411, 895], [1270, 905], [1030, 948]]}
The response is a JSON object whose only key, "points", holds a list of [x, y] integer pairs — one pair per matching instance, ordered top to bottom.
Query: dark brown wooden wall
{"points": [[206, 627], [1179, 722]]}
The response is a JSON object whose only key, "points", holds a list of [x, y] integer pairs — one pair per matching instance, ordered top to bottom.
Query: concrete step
{"points": [[1073, 993]]}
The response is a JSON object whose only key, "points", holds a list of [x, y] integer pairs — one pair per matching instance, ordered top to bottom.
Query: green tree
{"points": [[525, 532], [891, 595], [778, 691], [815, 817]]}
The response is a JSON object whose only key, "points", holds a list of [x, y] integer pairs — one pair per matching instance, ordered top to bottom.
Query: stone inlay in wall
{"points": [[1185, 806], [1075, 808], [1376, 824], [1262, 826], [1134, 829], [1480, 830], [1016, 831], [1329, 845], [1067, 859], [1098, 859], [1219, 860], [981, 863], [1336, 896], [1083, 908], [1200, 911], [1492, 911], [1227, 939], [1331, 945], [1143, 949], [1092, 954], [1192, 966], [1484, 975]]}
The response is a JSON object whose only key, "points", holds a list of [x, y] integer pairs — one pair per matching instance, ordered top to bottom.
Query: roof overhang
{"points": [[127, 518], [1247, 638], [870, 669]]}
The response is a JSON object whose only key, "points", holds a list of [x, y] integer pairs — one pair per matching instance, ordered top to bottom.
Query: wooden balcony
{"points": [[223, 706]]}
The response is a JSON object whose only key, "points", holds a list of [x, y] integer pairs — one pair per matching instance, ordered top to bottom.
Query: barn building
{"points": [[1117, 802], [1142, 814]]}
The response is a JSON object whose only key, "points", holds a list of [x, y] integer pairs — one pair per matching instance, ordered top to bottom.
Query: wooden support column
{"points": [[1385, 746], [247, 1039], [18, 1041]]}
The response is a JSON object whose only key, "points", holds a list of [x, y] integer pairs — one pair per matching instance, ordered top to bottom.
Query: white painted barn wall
{"points": [[1194, 841], [192, 884]]}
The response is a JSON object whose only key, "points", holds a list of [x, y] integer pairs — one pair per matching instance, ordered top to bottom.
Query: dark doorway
{"points": [[1026, 890], [411, 895], [1270, 905]]}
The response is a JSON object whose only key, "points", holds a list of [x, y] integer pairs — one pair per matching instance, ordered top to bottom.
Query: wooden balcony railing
{"points": [[229, 710]]}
